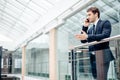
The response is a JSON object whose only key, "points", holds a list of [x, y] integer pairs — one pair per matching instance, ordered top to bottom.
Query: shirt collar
{"points": [[95, 23]]}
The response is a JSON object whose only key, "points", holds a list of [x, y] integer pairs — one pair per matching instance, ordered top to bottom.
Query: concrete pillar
{"points": [[52, 55], [23, 61]]}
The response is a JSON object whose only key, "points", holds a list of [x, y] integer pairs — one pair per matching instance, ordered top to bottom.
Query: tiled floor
{"points": [[27, 77]]}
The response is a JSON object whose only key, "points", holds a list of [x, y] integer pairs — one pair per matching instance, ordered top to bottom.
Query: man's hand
{"points": [[86, 23], [82, 36]]}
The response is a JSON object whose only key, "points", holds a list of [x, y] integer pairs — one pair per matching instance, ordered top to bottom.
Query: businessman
{"points": [[100, 30]]}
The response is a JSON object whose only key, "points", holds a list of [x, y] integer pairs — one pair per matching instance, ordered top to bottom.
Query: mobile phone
{"points": [[87, 20]]}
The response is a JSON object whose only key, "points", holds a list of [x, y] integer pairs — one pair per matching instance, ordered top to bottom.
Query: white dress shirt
{"points": [[95, 23]]}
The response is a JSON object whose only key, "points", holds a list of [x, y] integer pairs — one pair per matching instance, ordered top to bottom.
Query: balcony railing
{"points": [[78, 66]]}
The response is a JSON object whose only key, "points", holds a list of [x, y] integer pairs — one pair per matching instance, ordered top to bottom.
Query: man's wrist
{"points": [[86, 37]]}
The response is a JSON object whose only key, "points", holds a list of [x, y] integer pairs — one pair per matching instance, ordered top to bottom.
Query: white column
{"points": [[52, 55], [23, 61]]}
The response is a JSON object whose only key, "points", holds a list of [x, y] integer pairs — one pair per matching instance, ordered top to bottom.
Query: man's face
{"points": [[91, 16]]}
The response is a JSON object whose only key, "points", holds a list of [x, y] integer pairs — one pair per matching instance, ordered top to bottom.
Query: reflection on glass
{"points": [[37, 57], [17, 61]]}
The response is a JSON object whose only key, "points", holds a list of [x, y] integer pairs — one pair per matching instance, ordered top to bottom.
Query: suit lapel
{"points": [[98, 26]]}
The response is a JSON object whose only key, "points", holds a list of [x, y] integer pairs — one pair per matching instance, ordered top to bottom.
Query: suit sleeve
{"points": [[84, 29], [106, 31]]}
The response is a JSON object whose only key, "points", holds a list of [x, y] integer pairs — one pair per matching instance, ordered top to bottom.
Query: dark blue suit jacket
{"points": [[103, 30]]}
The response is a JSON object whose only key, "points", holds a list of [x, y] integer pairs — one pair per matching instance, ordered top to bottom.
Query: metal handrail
{"points": [[98, 42]]}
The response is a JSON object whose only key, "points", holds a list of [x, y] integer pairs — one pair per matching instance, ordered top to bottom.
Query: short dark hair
{"points": [[94, 10]]}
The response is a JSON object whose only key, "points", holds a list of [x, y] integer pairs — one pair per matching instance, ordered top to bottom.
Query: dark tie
{"points": [[93, 29]]}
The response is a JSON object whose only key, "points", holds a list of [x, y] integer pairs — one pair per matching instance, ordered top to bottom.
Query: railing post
{"points": [[73, 65], [100, 65]]}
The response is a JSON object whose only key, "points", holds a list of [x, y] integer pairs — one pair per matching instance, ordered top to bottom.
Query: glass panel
{"points": [[37, 54], [17, 61]]}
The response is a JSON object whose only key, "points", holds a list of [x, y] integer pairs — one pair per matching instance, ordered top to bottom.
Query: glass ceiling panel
{"points": [[2, 2], [23, 2], [114, 2], [44, 3], [100, 3], [16, 4], [40, 5], [26, 6], [1, 7], [106, 7], [13, 8], [37, 8], [16, 9], [8, 11], [30, 12], [7, 16], [78, 16], [104, 16], [12, 18], [28, 19], [74, 19], [7, 20], [6, 23], [10, 23], [72, 23], [23, 25], [20, 28], [3, 30], [10, 32], [14, 33], [4, 38]]}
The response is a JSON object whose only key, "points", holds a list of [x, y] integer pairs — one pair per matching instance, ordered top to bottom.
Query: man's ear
{"points": [[96, 14]]}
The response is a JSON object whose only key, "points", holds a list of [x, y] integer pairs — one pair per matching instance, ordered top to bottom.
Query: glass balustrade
{"points": [[78, 66]]}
